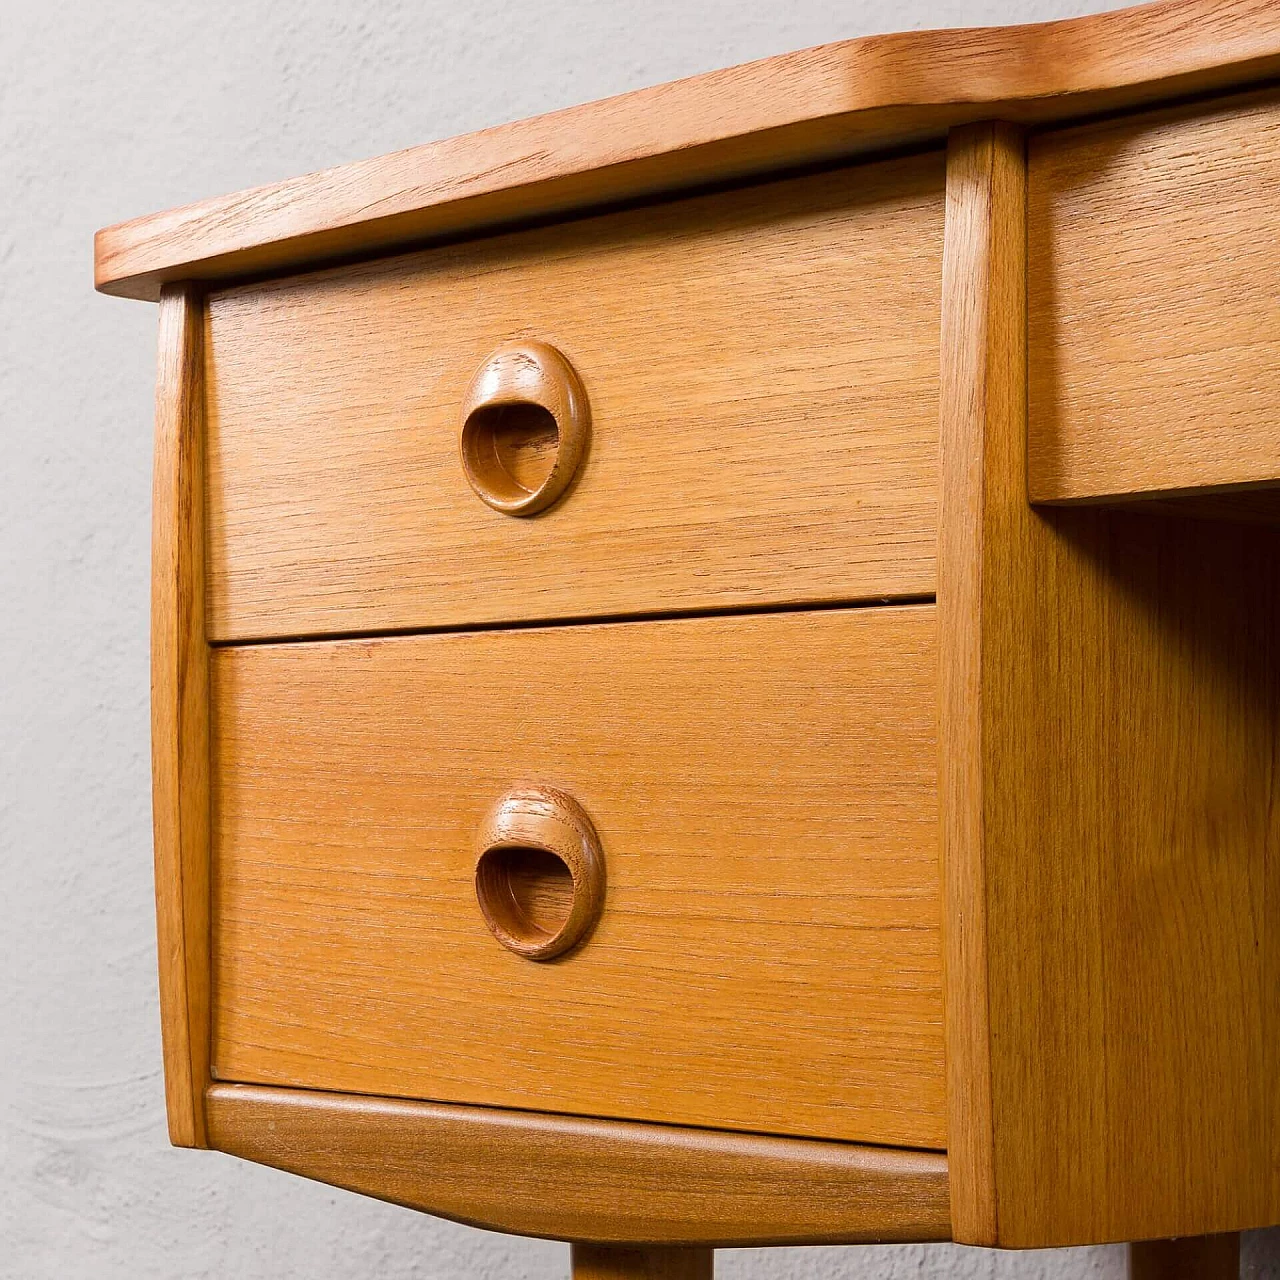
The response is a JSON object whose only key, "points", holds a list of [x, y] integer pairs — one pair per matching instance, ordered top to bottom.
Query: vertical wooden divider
{"points": [[983, 410], [180, 714], [1109, 724]]}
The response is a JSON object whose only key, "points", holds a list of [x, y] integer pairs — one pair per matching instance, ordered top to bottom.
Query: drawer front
{"points": [[1154, 312], [761, 370], [763, 788]]}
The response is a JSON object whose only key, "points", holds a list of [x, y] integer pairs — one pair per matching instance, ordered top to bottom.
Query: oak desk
{"points": [[716, 668]]}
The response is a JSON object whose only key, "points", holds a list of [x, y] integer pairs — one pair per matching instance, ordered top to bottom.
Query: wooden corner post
{"points": [[983, 412], [180, 715]]}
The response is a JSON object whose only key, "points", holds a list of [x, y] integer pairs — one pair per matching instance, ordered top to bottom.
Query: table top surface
{"points": [[816, 106]]}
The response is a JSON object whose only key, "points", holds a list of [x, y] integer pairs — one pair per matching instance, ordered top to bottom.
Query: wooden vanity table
{"points": [[716, 655]]}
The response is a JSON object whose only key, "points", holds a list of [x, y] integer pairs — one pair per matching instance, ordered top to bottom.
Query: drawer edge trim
{"points": [[597, 1181]]}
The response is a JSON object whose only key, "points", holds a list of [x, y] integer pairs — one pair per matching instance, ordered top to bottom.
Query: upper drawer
{"points": [[1154, 307], [761, 367]]}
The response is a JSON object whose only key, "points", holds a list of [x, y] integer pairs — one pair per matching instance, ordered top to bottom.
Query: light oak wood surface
{"points": [[820, 104], [1154, 310], [762, 374], [982, 414], [180, 716], [763, 789], [1109, 798], [598, 1181]]}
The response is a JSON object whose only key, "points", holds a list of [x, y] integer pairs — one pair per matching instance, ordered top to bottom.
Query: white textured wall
{"points": [[113, 109]]}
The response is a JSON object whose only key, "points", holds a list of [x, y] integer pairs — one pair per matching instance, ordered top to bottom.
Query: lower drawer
{"points": [[763, 788]]}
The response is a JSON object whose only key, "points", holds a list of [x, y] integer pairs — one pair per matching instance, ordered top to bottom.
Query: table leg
{"points": [[1190, 1258], [614, 1262]]}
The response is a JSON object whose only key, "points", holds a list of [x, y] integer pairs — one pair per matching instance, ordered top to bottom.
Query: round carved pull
{"points": [[524, 428], [539, 873]]}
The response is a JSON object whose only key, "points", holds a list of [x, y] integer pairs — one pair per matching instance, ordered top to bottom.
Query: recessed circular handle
{"points": [[524, 428], [539, 873]]}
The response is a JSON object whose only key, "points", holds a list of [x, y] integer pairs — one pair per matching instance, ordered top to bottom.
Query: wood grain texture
{"points": [[820, 104], [1154, 313], [762, 373], [982, 409], [180, 716], [1121, 717], [764, 793], [595, 1181], [1195, 1258], [609, 1262]]}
